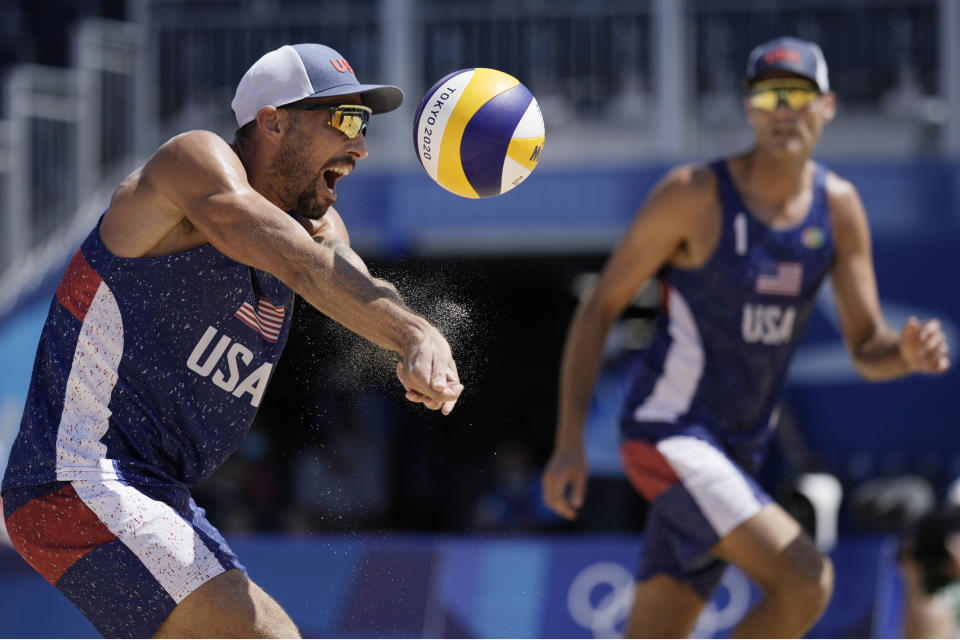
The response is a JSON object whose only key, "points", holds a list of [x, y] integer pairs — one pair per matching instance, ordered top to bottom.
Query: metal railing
{"points": [[618, 80], [43, 113], [65, 129]]}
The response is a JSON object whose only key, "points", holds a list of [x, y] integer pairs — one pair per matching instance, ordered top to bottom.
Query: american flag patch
{"points": [[787, 281], [266, 319]]}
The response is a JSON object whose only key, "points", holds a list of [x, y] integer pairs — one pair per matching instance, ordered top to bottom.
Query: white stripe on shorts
{"points": [[716, 484], [200, 521], [159, 536]]}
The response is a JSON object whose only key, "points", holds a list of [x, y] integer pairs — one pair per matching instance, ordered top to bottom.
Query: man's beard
{"points": [[300, 187], [306, 203]]}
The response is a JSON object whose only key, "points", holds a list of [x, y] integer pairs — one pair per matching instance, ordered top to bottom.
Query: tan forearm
{"points": [[344, 251], [367, 306], [582, 357]]}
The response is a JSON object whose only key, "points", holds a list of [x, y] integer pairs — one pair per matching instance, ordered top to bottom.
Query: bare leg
{"points": [[797, 580], [228, 606], [663, 608]]}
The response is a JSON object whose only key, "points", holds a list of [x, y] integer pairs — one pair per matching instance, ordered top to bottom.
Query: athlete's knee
{"points": [[806, 585], [814, 585], [229, 605], [264, 619], [275, 624]]}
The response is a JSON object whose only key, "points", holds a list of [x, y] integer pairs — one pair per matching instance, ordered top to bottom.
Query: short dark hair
{"points": [[244, 132]]}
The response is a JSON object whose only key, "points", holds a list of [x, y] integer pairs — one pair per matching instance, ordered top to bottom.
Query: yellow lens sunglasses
{"points": [[796, 93]]}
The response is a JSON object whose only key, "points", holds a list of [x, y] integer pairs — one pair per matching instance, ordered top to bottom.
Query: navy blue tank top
{"points": [[729, 327], [149, 370]]}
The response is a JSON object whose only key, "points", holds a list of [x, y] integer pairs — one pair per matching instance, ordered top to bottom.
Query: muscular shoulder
{"points": [[195, 141], [192, 158], [691, 181], [840, 191], [684, 195], [147, 214], [847, 214]]}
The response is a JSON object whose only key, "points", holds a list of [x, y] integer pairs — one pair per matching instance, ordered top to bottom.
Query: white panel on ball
{"points": [[440, 117]]}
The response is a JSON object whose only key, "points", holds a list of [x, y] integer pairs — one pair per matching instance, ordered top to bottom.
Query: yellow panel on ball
{"points": [[485, 84], [465, 127], [526, 151]]}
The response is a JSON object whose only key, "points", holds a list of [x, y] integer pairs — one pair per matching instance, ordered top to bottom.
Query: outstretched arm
{"points": [[197, 176], [657, 232], [332, 233], [879, 352]]}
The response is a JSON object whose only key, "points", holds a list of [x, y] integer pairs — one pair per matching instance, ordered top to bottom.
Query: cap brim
{"points": [[800, 72], [381, 98]]}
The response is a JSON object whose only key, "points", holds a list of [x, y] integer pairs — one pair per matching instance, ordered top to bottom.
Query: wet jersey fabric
{"points": [[729, 327], [149, 370]]}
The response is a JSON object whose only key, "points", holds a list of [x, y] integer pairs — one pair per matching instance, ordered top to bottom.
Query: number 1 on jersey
{"points": [[740, 233]]}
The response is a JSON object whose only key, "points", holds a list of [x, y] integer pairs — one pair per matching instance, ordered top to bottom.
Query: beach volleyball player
{"points": [[741, 246], [161, 340]]}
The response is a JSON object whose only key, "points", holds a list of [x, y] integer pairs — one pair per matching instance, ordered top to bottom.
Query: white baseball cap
{"points": [[298, 71]]}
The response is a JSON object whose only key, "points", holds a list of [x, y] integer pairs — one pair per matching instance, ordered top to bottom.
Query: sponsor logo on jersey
{"points": [[813, 237], [786, 280], [768, 324], [231, 364]]}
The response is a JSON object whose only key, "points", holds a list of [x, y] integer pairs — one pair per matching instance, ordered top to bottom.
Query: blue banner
{"points": [[411, 586]]}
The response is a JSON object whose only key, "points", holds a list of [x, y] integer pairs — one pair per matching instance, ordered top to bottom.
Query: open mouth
{"points": [[785, 129], [785, 133], [332, 175]]}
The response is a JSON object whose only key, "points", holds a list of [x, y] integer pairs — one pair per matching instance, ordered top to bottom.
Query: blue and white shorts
{"points": [[697, 494], [124, 555]]}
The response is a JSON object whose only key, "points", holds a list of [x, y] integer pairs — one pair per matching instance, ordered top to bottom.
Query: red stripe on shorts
{"points": [[79, 286], [648, 471], [53, 531]]}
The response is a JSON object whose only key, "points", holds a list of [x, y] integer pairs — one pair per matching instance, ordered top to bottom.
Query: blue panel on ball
{"points": [[487, 136]]}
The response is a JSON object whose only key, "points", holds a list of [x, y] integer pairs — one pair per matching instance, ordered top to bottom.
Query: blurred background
{"points": [[365, 515]]}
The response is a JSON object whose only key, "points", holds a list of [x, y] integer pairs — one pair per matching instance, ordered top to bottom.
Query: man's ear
{"points": [[272, 123]]}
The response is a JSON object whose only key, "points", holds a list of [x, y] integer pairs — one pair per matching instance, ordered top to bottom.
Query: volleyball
{"points": [[478, 132]]}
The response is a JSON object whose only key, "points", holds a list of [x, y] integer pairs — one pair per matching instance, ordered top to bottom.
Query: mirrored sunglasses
{"points": [[796, 94], [350, 119]]}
